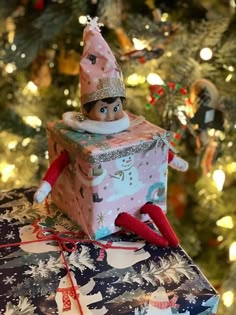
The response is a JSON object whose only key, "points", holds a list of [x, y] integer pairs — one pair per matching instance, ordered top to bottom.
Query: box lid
{"points": [[96, 148]]}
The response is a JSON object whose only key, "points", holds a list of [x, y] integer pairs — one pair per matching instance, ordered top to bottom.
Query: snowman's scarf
{"points": [[165, 304]]}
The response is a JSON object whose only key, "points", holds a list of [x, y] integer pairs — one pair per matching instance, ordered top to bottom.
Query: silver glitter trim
{"points": [[107, 87], [60, 137]]}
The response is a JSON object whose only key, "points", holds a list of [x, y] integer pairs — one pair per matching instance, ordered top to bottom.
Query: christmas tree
{"points": [[164, 48]]}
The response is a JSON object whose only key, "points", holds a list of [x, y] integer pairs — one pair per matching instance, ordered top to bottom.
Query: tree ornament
{"points": [[38, 4], [156, 13], [113, 21], [143, 55], [68, 62], [40, 72], [171, 100], [206, 104], [207, 116]]}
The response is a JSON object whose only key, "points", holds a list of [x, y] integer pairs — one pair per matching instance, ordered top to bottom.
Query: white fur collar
{"points": [[101, 127]]}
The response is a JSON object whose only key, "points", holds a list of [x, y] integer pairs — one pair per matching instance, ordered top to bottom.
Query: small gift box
{"points": [[109, 174]]}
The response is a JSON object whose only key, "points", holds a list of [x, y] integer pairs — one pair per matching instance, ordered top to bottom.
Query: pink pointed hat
{"points": [[100, 74]]}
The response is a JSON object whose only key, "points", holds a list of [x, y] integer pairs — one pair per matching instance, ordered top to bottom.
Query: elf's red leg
{"points": [[161, 221], [132, 224]]}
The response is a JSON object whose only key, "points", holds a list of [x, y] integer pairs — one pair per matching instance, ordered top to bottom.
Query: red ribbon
{"points": [[64, 238]]}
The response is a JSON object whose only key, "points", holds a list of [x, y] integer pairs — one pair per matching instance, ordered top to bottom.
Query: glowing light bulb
{"points": [[232, 4], [164, 17], [82, 19], [139, 44], [206, 53], [10, 67], [229, 77], [135, 79], [154, 79], [30, 87], [66, 92], [74, 103], [32, 121], [25, 142], [12, 145], [33, 158], [231, 168], [6, 171], [219, 179], [226, 222], [220, 238], [232, 252], [228, 298]]}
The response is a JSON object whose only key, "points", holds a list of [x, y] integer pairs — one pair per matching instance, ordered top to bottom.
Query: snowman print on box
{"points": [[126, 179], [160, 304]]}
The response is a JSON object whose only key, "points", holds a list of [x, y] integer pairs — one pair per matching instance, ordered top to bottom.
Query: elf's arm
{"points": [[176, 162], [51, 176]]}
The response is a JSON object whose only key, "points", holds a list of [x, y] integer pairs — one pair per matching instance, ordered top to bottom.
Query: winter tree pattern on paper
{"points": [[35, 280]]}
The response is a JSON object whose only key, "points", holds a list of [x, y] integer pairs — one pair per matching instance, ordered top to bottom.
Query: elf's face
{"points": [[103, 111]]}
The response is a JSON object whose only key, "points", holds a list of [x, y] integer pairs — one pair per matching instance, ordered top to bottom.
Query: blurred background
{"points": [[178, 60]]}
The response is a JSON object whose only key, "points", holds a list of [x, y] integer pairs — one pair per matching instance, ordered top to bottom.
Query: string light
{"points": [[232, 4], [164, 17], [82, 19], [139, 44], [13, 47], [206, 53], [10, 67], [231, 68], [229, 77], [135, 79], [154, 79], [30, 87], [66, 92], [74, 103], [32, 121], [25, 142], [12, 145], [33, 158], [231, 167], [6, 171], [219, 179], [226, 222], [220, 238], [232, 252], [228, 298]]}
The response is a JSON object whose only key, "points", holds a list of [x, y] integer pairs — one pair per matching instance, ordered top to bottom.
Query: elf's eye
{"points": [[116, 108], [103, 110]]}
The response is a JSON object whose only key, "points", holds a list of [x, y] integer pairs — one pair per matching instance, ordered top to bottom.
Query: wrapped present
{"points": [[109, 174], [47, 266]]}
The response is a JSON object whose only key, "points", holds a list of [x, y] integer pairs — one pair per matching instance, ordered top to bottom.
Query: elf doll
{"points": [[102, 100]]}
